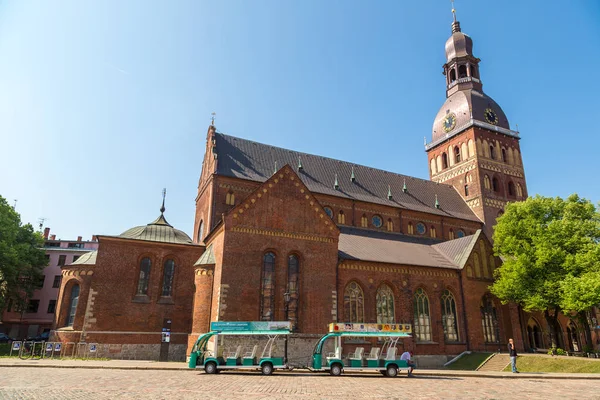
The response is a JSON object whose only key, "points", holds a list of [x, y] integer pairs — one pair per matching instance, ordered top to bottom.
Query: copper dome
{"points": [[466, 105]]}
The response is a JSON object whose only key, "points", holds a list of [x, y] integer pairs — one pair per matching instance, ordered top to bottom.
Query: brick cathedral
{"points": [[283, 235]]}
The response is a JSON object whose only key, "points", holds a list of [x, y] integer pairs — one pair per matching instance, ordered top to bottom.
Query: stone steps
{"points": [[495, 363]]}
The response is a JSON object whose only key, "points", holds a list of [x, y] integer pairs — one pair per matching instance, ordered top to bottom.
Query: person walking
{"points": [[512, 352]]}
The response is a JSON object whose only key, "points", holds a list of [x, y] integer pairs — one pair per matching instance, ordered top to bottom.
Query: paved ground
{"points": [[79, 383]]}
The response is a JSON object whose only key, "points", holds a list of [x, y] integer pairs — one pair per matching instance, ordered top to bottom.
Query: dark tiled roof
{"points": [[244, 159], [396, 248]]}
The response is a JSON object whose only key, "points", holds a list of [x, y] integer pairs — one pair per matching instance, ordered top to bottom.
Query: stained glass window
{"points": [[168, 273], [144, 278], [267, 290], [354, 305], [385, 305], [422, 316], [449, 317]]}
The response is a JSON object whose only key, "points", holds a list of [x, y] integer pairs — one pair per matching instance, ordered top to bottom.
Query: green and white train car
{"points": [[207, 353]]}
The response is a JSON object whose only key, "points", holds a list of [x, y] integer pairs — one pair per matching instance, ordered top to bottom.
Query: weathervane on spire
{"points": [[453, 10], [212, 118], [164, 193]]}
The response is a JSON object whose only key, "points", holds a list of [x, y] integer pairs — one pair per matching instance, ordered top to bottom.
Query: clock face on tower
{"points": [[490, 116], [449, 122]]}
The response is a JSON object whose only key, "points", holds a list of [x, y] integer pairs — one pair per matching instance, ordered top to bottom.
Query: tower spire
{"points": [[455, 23], [162, 208]]}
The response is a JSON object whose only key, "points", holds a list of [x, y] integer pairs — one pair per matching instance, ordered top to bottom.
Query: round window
{"points": [[329, 212], [377, 221], [421, 229], [460, 233]]}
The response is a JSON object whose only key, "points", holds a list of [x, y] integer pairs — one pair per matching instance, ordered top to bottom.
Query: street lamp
{"points": [[286, 300]]}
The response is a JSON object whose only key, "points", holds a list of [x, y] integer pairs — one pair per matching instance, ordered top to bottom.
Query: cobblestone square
{"points": [[79, 383]]}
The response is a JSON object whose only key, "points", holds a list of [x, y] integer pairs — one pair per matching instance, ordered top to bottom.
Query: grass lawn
{"points": [[469, 362], [556, 364]]}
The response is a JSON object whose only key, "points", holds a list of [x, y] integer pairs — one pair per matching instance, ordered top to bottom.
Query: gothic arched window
{"points": [[492, 152], [457, 154], [504, 157], [444, 160], [486, 182], [495, 184], [511, 188], [519, 190], [230, 199], [341, 218], [390, 225], [411, 229], [200, 231], [432, 232], [451, 234], [168, 274], [144, 277], [267, 289], [293, 290], [73, 304], [354, 305], [385, 305], [422, 316], [449, 317], [489, 320], [534, 334], [572, 336]]}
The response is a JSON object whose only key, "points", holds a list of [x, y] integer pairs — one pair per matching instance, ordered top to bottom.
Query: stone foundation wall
{"points": [[177, 352]]}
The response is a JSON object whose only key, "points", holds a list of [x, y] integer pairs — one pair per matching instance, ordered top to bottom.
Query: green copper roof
{"points": [[207, 258], [86, 259]]}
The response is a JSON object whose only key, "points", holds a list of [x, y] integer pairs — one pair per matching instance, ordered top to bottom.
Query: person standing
{"points": [[512, 352], [407, 356]]}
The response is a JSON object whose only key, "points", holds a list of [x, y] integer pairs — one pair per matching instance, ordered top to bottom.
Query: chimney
{"points": [[46, 233], [52, 237], [79, 238], [94, 238]]}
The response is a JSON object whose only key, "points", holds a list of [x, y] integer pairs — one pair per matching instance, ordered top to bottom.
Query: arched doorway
{"points": [[534, 334], [572, 336]]}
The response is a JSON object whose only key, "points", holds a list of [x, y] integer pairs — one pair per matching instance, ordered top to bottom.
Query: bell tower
{"points": [[472, 146]]}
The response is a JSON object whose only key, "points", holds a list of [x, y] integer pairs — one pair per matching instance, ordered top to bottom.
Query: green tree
{"points": [[550, 251], [21, 258]]}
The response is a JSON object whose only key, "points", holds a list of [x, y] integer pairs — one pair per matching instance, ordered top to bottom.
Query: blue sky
{"points": [[104, 103]]}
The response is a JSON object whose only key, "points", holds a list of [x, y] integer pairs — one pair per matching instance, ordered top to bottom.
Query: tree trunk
{"points": [[551, 321], [586, 328]]}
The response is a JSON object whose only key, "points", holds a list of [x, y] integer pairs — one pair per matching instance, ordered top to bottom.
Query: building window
{"points": [[462, 71], [452, 75], [492, 152], [457, 154], [504, 157], [444, 161], [469, 178], [486, 182], [495, 185], [511, 188], [466, 190], [519, 190], [230, 199], [329, 212], [341, 218], [364, 221], [377, 221], [390, 225], [421, 228], [411, 229], [200, 231], [432, 232], [460, 233], [451, 234], [75, 245], [75, 258], [47, 259], [62, 259], [477, 265], [168, 274], [144, 278], [40, 283], [56, 283], [293, 290], [267, 291], [73, 304], [354, 305], [385, 305], [32, 306], [51, 306], [449, 317], [422, 319], [489, 320]]}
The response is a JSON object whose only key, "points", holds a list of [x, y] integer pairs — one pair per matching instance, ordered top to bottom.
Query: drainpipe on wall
{"points": [[464, 308]]}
